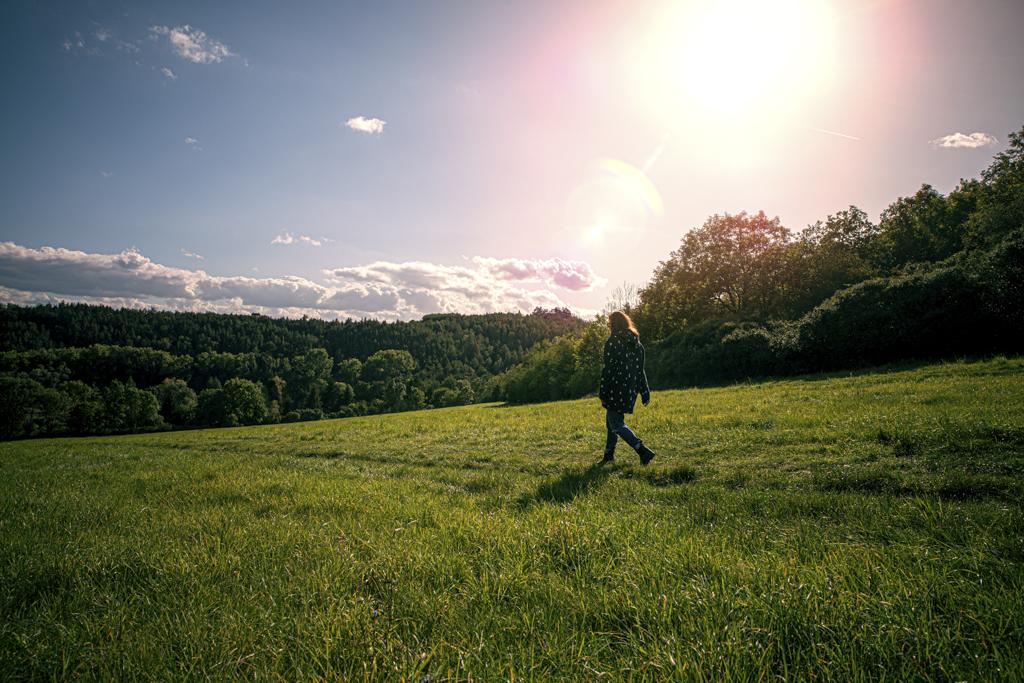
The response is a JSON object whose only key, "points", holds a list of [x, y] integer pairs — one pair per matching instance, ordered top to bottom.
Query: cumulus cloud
{"points": [[193, 45], [168, 74], [365, 125], [960, 140], [193, 143], [106, 174], [287, 238], [192, 254], [63, 271], [572, 275], [489, 285], [384, 290]]}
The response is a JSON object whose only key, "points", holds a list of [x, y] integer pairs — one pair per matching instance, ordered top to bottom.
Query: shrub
{"points": [[303, 415]]}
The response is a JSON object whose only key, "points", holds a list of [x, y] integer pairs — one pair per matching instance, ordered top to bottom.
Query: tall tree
{"points": [[1000, 208], [733, 267]]}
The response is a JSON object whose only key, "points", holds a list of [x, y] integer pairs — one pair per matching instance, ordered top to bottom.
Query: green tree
{"points": [[1000, 197], [916, 229], [830, 255], [732, 267], [388, 364], [348, 370], [306, 377], [386, 377], [338, 395], [415, 399], [177, 401], [244, 402], [85, 408], [30, 409], [129, 409], [212, 409]]}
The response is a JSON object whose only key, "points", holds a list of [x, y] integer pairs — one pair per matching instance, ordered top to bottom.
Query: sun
{"points": [[736, 60]]}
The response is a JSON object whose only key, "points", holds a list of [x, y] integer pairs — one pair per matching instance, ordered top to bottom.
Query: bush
{"points": [[969, 304], [565, 367], [303, 415]]}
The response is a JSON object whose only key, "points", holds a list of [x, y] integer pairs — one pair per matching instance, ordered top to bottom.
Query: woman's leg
{"points": [[617, 427], [609, 444]]}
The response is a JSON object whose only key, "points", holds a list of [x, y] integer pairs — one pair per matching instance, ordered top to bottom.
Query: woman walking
{"points": [[622, 378]]}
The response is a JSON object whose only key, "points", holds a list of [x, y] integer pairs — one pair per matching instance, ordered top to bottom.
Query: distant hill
{"points": [[485, 343], [82, 369]]}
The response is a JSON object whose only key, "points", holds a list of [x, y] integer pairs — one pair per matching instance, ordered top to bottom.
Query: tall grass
{"points": [[844, 528]]}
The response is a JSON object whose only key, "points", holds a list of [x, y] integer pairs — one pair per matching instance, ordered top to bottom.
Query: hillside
{"points": [[75, 369], [842, 528]]}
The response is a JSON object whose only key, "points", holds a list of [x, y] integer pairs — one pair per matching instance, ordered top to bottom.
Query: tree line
{"points": [[743, 297], [59, 373]]}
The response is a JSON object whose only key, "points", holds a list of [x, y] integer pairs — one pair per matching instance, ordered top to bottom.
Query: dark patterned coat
{"points": [[623, 376]]}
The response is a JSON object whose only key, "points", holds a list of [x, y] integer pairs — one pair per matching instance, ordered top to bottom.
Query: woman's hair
{"points": [[619, 321]]}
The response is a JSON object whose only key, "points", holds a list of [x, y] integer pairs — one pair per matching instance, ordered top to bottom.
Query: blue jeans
{"points": [[617, 427]]}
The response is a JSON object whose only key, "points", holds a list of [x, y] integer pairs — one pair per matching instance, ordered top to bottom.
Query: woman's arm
{"points": [[606, 375], [641, 377]]}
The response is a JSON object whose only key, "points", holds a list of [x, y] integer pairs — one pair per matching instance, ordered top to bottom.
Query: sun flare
{"points": [[736, 61]]}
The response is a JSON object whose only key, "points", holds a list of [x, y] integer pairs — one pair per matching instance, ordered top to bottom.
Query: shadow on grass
{"points": [[575, 482], [572, 483], [950, 485]]}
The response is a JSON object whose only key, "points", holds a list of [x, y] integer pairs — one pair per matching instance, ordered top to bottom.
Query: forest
{"points": [[743, 297], [83, 369]]}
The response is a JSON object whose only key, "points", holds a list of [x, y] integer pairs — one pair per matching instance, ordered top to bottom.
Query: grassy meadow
{"points": [[843, 528]]}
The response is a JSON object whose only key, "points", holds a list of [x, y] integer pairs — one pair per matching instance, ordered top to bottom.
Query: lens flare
{"points": [[635, 181], [615, 197]]}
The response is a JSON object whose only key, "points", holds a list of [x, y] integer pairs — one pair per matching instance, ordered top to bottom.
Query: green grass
{"points": [[841, 528]]}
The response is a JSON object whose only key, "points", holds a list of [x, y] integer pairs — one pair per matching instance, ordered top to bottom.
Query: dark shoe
{"points": [[646, 454], [608, 457]]}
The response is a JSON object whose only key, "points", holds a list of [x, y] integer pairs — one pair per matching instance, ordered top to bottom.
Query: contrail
{"points": [[832, 132], [655, 155]]}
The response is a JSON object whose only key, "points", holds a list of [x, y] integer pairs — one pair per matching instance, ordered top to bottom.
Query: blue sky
{"points": [[518, 156]]}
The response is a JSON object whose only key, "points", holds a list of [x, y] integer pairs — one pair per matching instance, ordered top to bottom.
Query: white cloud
{"points": [[103, 34], [77, 45], [193, 45], [168, 74], [365, 125], [960, 140], [193, 143], [106, 174], [288, 238], [192, 254], [63, 271], [573, 275], [489, 285], [384, 290]]}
